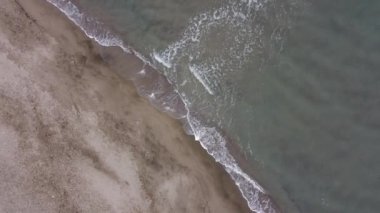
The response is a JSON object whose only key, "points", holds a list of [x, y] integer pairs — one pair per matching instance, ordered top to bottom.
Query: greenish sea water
{"points": [[294, 83]]}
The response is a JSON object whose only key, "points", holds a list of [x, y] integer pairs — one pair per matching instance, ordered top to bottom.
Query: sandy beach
{"points": [[76, 137]]}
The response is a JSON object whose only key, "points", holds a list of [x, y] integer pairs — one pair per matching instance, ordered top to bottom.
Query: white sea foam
{"points": [[92, 28], [95, 29], [233, 50], [161, 60], [202, 78], [215, 144]]}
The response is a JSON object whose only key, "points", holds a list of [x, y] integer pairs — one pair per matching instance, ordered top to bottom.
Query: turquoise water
{"points": [[294, 83]]}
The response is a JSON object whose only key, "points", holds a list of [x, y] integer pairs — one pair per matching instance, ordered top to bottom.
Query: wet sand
{"points": [[76, 137]]}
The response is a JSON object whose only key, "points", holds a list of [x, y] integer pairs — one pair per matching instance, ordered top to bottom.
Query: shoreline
{"points": [[145, 85], [83, 133]]}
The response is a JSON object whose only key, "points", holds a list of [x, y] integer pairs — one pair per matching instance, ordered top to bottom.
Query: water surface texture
{"points": [[294, 83]]}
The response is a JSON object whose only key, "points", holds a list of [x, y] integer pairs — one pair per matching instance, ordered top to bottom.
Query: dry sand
{"points": [[76, 137]]}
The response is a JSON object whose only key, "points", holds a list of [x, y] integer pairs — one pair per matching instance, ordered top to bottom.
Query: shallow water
{"points": [[294, 83]]}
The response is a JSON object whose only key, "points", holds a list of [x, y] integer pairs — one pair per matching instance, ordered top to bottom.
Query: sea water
{"points": [[292, 85]]}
